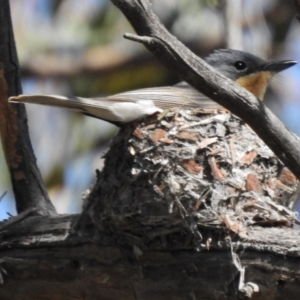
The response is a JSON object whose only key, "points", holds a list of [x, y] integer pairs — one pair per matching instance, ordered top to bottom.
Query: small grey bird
{"points": [[247, 70]]}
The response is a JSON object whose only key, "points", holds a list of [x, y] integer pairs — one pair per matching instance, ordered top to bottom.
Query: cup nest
{"points": [[187, 171]]}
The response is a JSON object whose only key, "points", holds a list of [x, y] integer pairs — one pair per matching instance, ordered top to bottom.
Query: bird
{"points": [[247, 70]]}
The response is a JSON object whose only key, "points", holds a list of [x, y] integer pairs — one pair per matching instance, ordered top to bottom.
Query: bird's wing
{"points": [[166, 97], [128, 106]]}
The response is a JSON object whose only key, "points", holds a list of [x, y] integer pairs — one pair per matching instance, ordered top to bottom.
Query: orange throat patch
{"points": [[256, 83]]}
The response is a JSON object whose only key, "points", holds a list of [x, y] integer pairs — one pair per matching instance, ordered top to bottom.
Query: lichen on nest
{"points": [[207, 169]]}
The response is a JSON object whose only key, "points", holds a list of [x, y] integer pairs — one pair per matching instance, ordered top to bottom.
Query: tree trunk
{"points": [[42, 259]]}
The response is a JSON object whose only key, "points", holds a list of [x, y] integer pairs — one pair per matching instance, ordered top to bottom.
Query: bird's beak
{"points": [[278, 66]]}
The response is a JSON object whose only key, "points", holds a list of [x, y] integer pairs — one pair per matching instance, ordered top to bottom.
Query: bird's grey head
{"points": [[235, 64]]}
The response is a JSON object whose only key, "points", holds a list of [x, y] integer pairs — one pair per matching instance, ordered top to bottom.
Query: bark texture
{"points": [[28, 186], [42, 259]]}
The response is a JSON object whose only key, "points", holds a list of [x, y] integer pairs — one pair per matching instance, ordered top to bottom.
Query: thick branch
{"points": [[198, 74], [28, 186], [41, 254]]}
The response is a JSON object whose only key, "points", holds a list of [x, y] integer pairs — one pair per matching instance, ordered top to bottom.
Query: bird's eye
{"points": [[240, 65]]}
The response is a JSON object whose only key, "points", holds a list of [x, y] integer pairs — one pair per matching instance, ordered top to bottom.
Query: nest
{"points": [[186, 171]]}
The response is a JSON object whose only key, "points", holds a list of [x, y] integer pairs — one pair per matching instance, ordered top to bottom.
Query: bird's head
{"points": [[247, 70]]}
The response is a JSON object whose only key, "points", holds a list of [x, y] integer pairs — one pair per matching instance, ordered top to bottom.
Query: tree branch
{"points": [[204, 78], [30, 192], [41, 253]]}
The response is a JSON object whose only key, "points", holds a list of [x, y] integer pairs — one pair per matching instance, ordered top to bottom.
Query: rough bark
{"points": [[28, 186], [41, 258]]}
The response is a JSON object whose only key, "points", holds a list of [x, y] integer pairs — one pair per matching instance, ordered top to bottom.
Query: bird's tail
{"points": [[51, 100], [128, 106], [95, 108], [108, 109]]}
